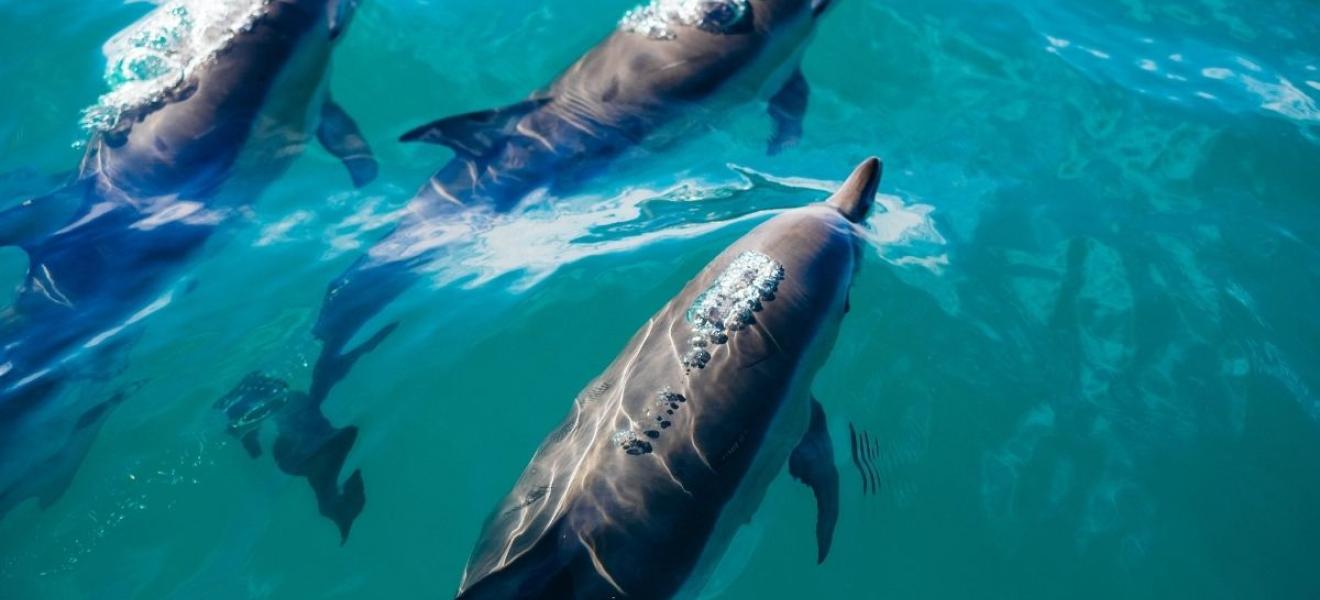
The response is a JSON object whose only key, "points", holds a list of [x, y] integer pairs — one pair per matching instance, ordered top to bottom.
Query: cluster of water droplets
{"points": [[657, 18], [155, 54], [730, 303], [667, 402]]}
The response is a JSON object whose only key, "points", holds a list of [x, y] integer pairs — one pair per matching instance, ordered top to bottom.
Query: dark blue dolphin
{"points": [[668, 65], [152, 189]]}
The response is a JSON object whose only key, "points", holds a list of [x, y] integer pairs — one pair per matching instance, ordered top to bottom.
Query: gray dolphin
{"points": [[668, 66], [154, 186], [669, 451]]}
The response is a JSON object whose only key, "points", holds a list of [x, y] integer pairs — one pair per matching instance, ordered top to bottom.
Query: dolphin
{"points": [[667, 66], [106, 250], [667, 453]]}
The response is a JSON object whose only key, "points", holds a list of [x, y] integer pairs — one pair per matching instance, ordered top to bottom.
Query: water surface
{"points": [[1084, 335]]}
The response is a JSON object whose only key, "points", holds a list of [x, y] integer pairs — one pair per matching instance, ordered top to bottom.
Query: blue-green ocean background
{"points": [[1090, 347]]}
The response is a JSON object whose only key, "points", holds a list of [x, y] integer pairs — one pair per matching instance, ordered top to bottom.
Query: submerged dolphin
{"points": [[668, 65], [153, 187], [669, 451]]}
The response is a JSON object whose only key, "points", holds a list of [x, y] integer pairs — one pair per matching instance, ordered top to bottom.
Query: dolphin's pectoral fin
{"points": [[787, 108], [475, 134], [341, 137], [37, 217], [255, 399], [252, 443], [812, 463]]}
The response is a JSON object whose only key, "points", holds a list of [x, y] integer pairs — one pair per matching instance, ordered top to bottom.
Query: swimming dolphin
{"points": [[668, 65], [153, 187], [669, 451]]}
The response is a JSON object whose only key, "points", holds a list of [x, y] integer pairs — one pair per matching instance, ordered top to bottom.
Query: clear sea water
{"points": [[1085, 336]]}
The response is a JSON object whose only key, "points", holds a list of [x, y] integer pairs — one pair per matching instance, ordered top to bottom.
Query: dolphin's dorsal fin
{"points": [[475, 134], [857, 195], [33, 219], [812, 463]]}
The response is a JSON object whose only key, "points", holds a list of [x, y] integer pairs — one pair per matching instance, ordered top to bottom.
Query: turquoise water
{"points": [[1084, 335]]}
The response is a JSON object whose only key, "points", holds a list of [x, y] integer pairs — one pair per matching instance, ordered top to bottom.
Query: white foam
{"points": [[657, 18], [153, 55], [477, 248]]}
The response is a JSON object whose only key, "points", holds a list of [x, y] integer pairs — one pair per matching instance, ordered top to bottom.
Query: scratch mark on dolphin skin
{"points": [[674, 65], [527, 131], [473, 174], [442, 192], [52, 291], [600, 568]]}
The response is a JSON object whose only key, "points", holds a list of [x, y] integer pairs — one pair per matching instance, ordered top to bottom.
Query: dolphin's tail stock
{"points": [[351, 301]]}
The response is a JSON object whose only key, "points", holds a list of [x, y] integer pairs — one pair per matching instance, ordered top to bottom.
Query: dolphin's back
{"points": [[186, 142], [625, 496]]}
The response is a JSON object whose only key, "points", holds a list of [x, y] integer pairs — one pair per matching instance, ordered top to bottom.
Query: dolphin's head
{"points": [[801, 264]]}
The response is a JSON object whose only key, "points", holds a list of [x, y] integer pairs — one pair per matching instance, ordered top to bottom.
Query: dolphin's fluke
{"points": [[473, 135], [341, 137], [857, 195], [306, 445], [309, 446], [812, 463]]}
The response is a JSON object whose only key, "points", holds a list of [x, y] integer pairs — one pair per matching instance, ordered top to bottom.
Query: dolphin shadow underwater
{"points": [[668, 66], [153, 188], [669, 452]]}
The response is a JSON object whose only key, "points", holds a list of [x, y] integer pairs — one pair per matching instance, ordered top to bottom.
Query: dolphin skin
{"points": [[667, 66], [154, 186], [667, 453]]}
